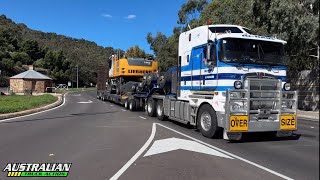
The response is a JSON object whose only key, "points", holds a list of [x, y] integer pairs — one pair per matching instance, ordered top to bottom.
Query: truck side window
{"points": [[213, 54]]}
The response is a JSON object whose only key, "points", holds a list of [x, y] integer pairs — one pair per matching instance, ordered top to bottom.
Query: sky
{"points": [[115, 23]]}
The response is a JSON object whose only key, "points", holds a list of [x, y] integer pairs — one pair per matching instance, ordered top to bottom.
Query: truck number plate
{"points": [[288, 122], [238, 123]]}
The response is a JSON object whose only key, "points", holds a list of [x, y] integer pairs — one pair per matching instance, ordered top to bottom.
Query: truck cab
{"points": [[232, 81]]}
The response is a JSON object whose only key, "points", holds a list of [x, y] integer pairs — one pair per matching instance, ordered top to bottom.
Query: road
{"points": [[99, 138]]}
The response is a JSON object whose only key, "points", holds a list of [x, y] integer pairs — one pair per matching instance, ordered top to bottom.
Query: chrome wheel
{"points": [[126, 104], [149, 107], [159, 110], [205, 120]]}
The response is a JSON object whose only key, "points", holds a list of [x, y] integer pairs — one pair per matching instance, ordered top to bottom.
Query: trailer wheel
{"points": [[126, 104], [137, 104], [132, 105], [151, 107], [160, 111], [207, 121]]}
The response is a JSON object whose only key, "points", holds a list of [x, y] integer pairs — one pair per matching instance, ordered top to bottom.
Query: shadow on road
{"points": [[60, 117], [265, 137]]}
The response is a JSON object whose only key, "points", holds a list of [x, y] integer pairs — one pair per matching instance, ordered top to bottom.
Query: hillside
{"points": [[20, 45]]}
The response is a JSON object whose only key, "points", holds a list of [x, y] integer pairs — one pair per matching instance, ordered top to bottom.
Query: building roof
{"points": [[30, 74]]}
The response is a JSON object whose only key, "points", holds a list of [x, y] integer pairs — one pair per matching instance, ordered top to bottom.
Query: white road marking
{"points": [[77, 95], [64, 101], [85, 102], [111, 105], [123, 110], [142, 117], [312, 127], [171, 144], [145, 146], [230, 154], [51, 155], [136, 156]]}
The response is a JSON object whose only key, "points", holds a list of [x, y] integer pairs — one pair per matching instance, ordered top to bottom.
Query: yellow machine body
{"points": [[129, 67]]}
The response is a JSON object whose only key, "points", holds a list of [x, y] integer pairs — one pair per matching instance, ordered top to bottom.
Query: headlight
{"points": [[237, 84], [287, 86], [238, 106]]}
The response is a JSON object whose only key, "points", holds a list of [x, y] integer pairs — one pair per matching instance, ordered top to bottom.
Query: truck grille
{"points": [[264, 94]]}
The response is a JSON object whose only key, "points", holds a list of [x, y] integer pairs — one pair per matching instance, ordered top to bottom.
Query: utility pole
{"points": [[77, 76]]}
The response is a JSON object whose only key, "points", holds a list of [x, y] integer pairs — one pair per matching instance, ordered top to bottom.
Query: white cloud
{"points": [[106, 15], [131, 16]]}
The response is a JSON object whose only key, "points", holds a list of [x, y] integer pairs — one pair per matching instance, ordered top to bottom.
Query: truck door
{"points": [[197, 58], [209, 69], [204, 73]]}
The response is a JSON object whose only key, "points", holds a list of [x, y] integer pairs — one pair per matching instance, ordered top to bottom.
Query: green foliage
{"points": [[190, 11], [294, 21], [31, 47], [165, 49], [135, 52], [56, 53], [23, 57], [7, 63], [15, 103]]}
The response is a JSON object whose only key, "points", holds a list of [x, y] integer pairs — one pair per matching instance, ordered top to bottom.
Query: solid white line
{"points": [[64, 101], [142, 117], [230, 154], [136, 156]]}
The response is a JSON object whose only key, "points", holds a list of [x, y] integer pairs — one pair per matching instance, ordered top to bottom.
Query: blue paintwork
{"points": [[221, 76], [215, 88]]}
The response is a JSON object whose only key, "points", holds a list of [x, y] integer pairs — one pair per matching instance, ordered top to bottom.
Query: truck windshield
{"points": [[236, 50]]}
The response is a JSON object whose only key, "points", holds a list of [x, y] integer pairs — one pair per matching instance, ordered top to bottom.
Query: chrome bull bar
{"points": [[261, 107]]}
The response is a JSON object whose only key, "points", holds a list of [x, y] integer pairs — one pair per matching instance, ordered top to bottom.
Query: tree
{"points": [[190, 11], [294, 21], [31, 47], [165, 49], [135, 52], [23, 57], [7, 63]]}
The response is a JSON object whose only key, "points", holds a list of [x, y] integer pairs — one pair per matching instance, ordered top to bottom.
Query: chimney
{"points": [[30, 67]]}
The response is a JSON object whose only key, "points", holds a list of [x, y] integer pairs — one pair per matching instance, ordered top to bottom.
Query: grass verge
{"points": [[15, 103]]}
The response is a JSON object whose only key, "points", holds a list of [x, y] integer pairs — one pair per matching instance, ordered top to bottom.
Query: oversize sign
{"points": [[288, 122], [238, 123]]}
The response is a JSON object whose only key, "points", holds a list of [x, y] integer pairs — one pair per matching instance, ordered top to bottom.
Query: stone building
{"points": [[30, 80]]}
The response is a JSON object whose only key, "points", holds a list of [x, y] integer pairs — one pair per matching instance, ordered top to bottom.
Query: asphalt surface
{"points": [[99, 138]]}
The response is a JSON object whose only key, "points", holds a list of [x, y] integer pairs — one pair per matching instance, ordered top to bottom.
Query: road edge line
{"points": [[137, 155]]}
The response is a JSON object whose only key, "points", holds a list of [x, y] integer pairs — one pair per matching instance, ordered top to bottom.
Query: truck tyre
{"points": [[126, 104], [137, 104], [132, 105], [151, 107], [159, 110], [207, 121]]}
